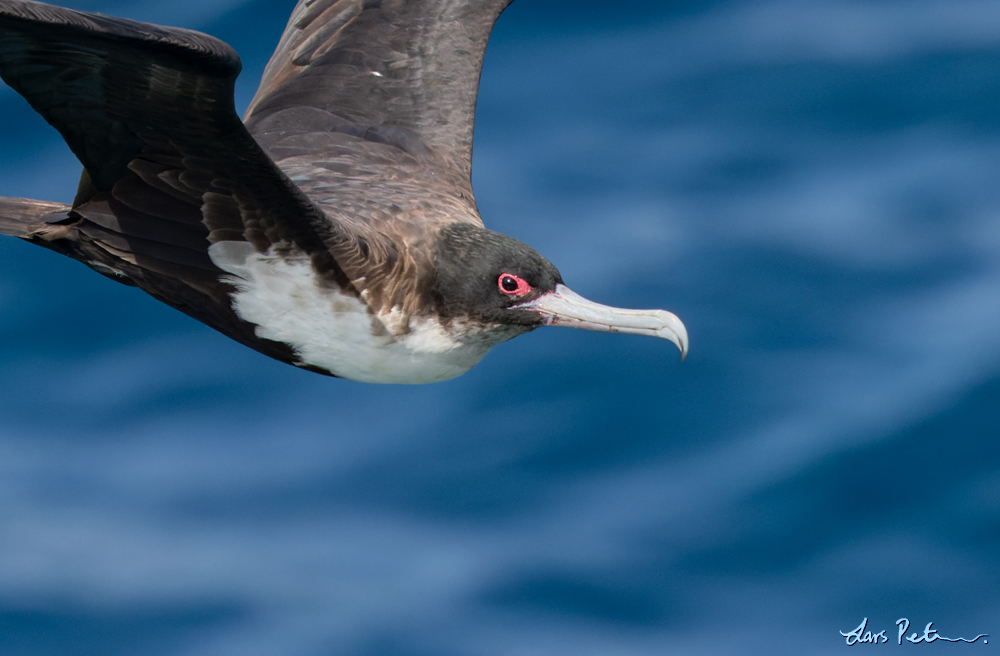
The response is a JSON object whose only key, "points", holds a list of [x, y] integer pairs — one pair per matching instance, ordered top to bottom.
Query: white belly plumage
{"points": [[281, 295]]}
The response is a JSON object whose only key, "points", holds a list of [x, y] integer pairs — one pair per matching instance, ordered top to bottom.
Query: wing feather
{"points": [[399, 72], [151, 108]]}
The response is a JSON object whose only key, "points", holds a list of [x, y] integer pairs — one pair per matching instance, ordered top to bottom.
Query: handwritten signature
{"points": [[863, 635]]}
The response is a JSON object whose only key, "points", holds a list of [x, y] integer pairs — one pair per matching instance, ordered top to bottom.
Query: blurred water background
{"points": [[810, 184]]}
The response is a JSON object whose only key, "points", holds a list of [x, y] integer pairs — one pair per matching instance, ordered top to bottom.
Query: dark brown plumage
{"points": [[343, 185]]}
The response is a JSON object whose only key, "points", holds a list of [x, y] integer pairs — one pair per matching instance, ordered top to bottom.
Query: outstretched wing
{"points": [[386, 78], [152, 108], [169, 166]]}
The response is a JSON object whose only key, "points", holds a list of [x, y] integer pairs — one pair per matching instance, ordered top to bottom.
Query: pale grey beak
{"points": [[564, 307]]}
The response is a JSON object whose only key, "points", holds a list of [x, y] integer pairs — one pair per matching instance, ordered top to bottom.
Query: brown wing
{"points": [[388, 82], [169, 166]]}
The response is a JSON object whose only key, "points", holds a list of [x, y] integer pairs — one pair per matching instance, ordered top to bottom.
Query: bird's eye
{"points": [[513, 285]]}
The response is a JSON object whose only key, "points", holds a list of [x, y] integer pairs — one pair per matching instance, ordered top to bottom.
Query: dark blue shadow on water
{"points": [[126, 632]]}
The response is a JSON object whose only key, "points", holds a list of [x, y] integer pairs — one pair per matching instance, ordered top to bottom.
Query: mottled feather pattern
{"points": [[352, 65]]}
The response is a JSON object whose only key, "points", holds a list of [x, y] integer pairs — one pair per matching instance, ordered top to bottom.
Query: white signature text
{"points": [[863, 635]]}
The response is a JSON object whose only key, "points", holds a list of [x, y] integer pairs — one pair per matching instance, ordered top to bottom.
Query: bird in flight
{"points": [[334, 227]]}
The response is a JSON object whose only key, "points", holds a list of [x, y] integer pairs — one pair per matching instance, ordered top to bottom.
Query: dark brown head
{"points": [[486, 276], [493, 280]]}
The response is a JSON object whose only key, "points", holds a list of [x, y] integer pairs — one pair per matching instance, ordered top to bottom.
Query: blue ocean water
{"points": [[811, 185]]}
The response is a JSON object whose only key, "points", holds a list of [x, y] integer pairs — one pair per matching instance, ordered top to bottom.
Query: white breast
{"points": [[282, 296]]}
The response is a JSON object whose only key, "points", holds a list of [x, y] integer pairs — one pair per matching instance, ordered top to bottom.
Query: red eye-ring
{"points": [[513, 285]]}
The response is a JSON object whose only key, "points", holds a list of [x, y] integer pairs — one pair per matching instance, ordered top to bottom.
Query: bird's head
{"points": [[493, 279]]}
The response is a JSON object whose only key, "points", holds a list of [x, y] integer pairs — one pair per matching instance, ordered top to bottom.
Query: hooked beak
{"points": [[564, 307]]}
